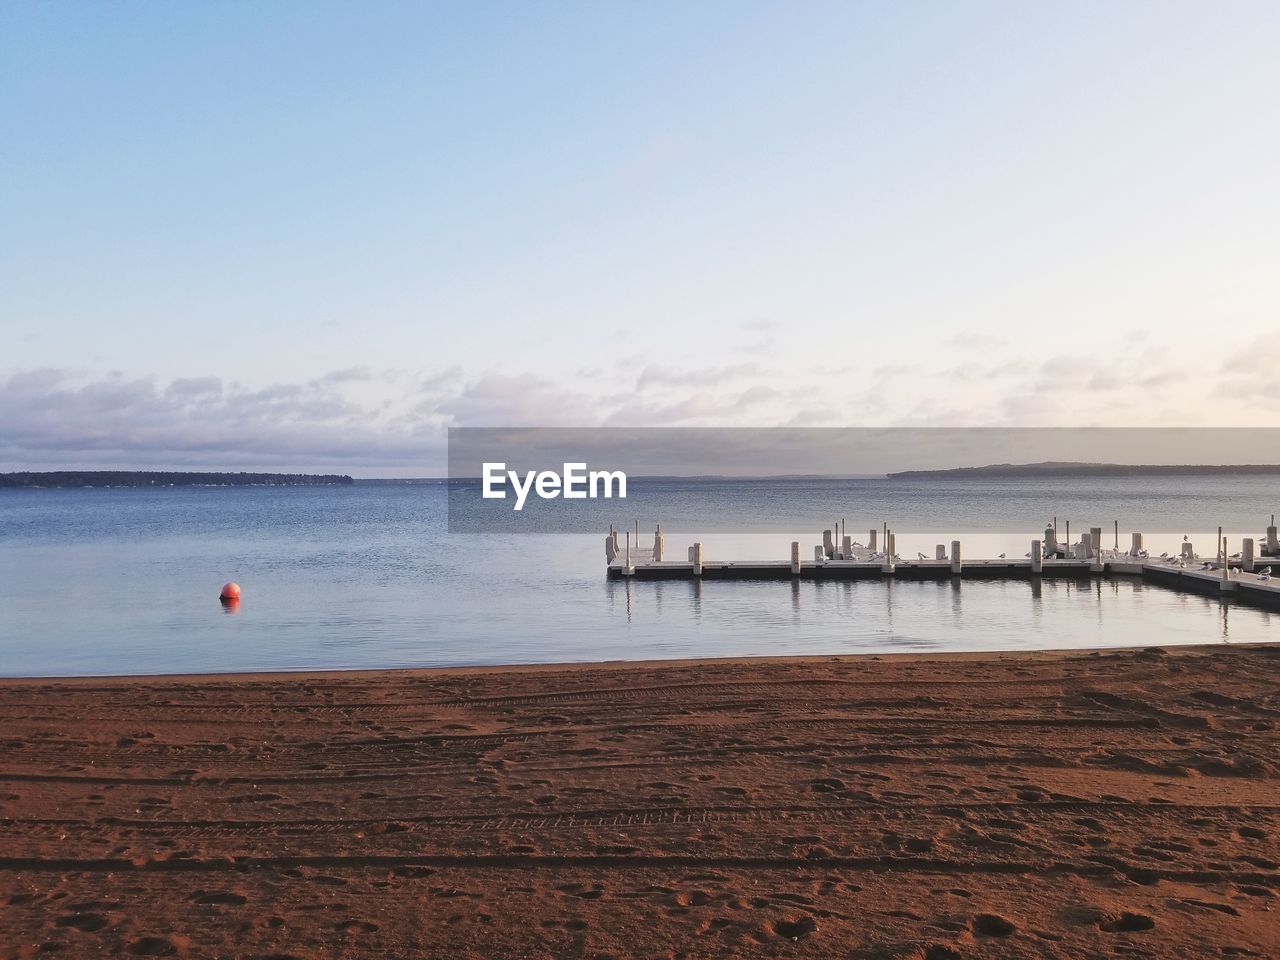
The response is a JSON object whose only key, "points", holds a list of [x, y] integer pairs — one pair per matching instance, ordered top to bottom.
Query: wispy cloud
{"points": [[380, 421]]}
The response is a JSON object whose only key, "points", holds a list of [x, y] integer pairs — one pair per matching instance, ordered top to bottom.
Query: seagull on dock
{"points": [[1185, 538], [1028, 554], [920, 555], [1165, 555], [1002, 556], [1265, 572]]}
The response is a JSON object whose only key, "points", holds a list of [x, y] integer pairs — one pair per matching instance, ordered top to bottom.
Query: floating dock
{"points": [[1245, 576]]}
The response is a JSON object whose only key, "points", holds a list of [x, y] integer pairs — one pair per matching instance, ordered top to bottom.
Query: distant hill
{"points": [[1060, 468], [165, 478]]}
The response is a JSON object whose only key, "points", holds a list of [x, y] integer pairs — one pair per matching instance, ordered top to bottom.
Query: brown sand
{"points": [[1084, 805]]}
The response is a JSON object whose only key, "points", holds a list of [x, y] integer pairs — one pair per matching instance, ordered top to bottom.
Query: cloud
{"points": [[1252, 374], [655, 375], [504, 400], [54, 417], [395, 421]]}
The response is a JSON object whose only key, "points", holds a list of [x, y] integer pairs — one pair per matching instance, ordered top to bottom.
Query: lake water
{"points": [[125, 581]]}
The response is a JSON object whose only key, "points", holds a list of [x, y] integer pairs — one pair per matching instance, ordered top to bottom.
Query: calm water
{"points": [[125, 581]]}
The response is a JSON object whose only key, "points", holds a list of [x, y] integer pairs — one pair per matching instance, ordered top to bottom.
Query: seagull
{"points": [[1185, 538], [920, 555], [1026, 555], [1164, 555], [1002, 556], [1265, 571]]}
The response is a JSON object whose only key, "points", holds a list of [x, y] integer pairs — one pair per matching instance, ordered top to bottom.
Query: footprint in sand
{"points": [[84, 922], [1126, 922], [993, 925], [795, 928], [151, 947]]}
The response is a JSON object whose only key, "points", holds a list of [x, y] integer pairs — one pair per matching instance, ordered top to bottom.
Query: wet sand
{"points": [[928, 807]]}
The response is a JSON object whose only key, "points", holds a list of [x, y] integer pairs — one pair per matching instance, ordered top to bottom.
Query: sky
{"points": [[314, 236]]}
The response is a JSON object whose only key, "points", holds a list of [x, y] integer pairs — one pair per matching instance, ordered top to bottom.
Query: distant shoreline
{"points": [[1068, 469], [61, 479], [83, 479]]}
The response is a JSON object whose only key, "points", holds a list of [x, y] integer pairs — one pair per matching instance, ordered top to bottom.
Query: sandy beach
{"points": [[1099, 804]]}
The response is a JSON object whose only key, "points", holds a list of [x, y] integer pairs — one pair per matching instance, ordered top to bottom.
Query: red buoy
{"points": [[230, 591]]}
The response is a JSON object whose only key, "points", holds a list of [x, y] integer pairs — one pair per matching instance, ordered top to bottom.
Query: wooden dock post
{"points": [[871, 540], [1051, 541], [1095, 542], [659, 544], [828, 545], [1135, 545], [1273, 545], [1117, 546], [610, 547], [846, 547], [1084, 547], [1222, 548], [1068, 549], [1188, 550], [940, 552], [1246, 555], [795, 558], [697, 559], [1037, 559], [1226, 560], [956, 564], [886, 566], [630, 567]]}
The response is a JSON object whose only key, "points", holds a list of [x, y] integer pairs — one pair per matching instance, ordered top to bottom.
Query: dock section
{"points": [[1241, 575]]}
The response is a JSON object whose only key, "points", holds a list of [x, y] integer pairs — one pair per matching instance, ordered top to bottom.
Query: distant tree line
{"points": [[1072, 469], [167, 478]]}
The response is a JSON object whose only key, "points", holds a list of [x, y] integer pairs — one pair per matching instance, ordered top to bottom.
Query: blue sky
{"points": [[318, 234]]}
